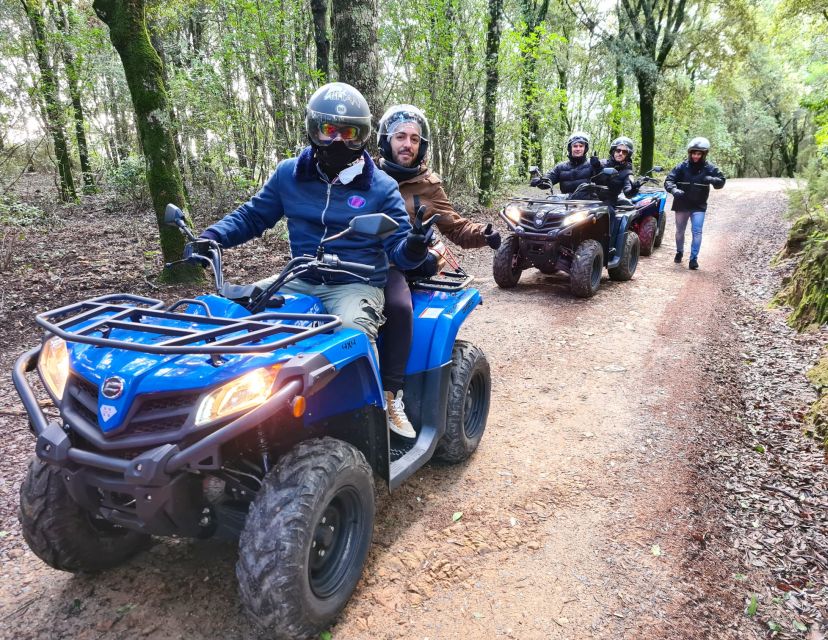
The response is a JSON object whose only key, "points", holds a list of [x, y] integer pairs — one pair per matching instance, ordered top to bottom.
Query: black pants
{"points": [[397, 332]]}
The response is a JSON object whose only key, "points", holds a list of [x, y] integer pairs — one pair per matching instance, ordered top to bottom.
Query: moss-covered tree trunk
{"points": [[126, 20], [355, 24], [72, 65], [646, 106], [55, 117], [487, 163]]}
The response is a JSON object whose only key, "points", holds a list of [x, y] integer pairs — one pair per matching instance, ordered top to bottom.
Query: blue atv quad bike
{"points": [[649, 219], [579, 235], [246, 414]]}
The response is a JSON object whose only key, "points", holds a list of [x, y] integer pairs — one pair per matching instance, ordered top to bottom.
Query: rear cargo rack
{"points": [[444, 281], [193, 333]]}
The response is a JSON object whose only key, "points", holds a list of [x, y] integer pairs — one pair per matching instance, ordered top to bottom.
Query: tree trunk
{"points": [[319, 8], [355, 24], [72, 66], [142, 67], [618, 100], [646, 105], [55, 121], [530, 144], [487, 161]]}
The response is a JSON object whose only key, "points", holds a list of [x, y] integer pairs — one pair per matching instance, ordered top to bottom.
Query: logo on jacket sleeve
{"points": [[356, 202]]}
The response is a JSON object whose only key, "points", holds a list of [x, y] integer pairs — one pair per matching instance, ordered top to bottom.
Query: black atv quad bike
{"points": [[578, 235]]}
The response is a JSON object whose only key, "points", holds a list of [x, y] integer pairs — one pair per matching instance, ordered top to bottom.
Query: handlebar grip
{"points": [[357, 267]]}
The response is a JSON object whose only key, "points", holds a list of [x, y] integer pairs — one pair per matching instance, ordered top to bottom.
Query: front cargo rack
{"points": [[175, 329]]}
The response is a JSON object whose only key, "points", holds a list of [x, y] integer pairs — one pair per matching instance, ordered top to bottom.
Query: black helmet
{"points": [[338, 111], [392, 119], [578, 136], [623, 141], [699, 144]]}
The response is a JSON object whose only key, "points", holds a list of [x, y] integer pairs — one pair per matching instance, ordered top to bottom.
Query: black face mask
{"points": [[335, 157]]}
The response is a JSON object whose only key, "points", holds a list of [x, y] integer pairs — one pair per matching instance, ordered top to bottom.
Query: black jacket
{"points": [[570, 175], [695, 180], [620, 182]]}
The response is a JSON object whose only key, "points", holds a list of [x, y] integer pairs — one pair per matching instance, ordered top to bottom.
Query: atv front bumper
{"points": [[159, 490]]}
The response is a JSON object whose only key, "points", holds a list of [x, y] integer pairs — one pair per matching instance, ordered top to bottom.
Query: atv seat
{"points": [[245, 293]]}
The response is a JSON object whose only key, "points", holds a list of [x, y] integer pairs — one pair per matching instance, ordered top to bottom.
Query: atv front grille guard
{"points": [[92, 322]]}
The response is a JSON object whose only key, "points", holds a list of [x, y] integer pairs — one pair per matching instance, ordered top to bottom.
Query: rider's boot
{"points": [[397, 421]]}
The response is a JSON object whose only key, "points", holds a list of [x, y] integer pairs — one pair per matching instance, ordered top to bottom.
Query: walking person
{"points": [[690, 183]]}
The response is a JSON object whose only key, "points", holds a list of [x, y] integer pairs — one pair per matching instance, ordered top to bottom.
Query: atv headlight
{"points": [[513, 212], [572, 218], [54, 365], [242, 394]]}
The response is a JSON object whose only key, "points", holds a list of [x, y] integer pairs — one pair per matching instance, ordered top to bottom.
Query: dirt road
{"points": [[579, 510]]}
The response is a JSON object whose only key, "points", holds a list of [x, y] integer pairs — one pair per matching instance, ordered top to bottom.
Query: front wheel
{"points": [[662, 224], [647, 235], [629, 258], [505, 266], [586, 269], [470, 392], [63, 534], [306, 538]]}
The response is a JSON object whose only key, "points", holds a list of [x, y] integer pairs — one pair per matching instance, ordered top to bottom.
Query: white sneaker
{"points": [[397, 420]]}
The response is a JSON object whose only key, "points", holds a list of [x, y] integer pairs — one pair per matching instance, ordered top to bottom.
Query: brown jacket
{"points": [[428, 185]]}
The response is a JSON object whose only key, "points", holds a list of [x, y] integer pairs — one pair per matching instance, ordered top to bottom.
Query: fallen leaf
{"points": [[457, 515], [655, 550]]}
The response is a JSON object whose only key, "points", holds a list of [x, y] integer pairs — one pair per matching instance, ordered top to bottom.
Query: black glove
{"points": [[595, 163], [714, 181], [534, 182], [678, 193], [492, 237], [418, 239], [199, 246]]}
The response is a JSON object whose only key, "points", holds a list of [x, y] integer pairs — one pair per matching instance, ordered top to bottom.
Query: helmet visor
{"points": [[405, 114], [325, 128]]}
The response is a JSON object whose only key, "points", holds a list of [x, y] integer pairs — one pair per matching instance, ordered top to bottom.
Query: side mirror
{"points": [[533, 170], [609, 171], [173, 215], [373, 224]]}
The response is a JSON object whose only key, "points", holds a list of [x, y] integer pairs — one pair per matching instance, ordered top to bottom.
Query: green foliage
{"points": [[128, 182], [21, 214], [807, 290]]}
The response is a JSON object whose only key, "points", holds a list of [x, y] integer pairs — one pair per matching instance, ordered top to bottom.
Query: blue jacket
{"points": [[315, 208]]}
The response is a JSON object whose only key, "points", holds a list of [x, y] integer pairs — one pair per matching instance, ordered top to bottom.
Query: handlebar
{"points": [[356, 267]]}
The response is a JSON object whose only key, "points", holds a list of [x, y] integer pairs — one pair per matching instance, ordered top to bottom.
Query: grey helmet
{"points": [[396, 116], [623, 141], [699, 144]]}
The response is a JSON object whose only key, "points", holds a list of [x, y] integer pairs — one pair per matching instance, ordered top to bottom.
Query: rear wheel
{"points": [[662, 224], [647, 234], [629, 258], [505, 267], [586, 269], [470, 392], [63, 534], [306, 538]]}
